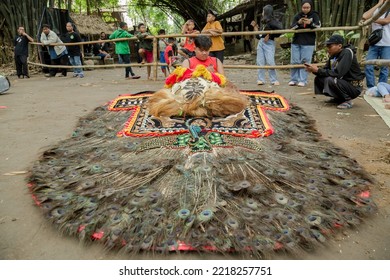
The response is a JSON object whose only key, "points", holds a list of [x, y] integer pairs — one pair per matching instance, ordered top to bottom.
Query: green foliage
{"points": [[80, 6], [289, 36], [349, 37], [284, 55], [321, 55]]}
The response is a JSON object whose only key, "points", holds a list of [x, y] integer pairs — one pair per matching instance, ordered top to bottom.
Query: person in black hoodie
{"points": [[303, 44], [266, 45], [74, 51], [341, 78]]}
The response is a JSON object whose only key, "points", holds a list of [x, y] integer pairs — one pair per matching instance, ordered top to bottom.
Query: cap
{"points": [[214, 13], [335, 39]]}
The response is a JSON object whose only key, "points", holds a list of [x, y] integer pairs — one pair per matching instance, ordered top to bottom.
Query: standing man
{"points": [[122, 48], [382, 48], [74, 51], [21, 52], [58, 53], [341, 78]]}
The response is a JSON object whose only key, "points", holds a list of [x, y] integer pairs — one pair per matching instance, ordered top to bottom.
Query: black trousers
{"points": [[247, 45], [217, 54], [63, 60], [126, 60], [21, 65], [336, 88]]}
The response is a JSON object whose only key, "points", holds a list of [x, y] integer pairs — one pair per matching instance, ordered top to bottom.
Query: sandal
{"points": [[345, 105]]}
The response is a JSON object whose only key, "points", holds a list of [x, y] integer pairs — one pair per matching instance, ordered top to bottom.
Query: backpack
{"points": [[4, 84]]}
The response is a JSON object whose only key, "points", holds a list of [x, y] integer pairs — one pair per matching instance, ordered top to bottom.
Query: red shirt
{"points": [[189, 43], [168, 53], [194, 61]]}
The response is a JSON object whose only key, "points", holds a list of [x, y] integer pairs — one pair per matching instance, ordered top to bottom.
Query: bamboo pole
{"points": [[361, 11], [354, 12], [327, 13], [339, 13], [344, 15], [223, 34], [361, 43], [155, 61], [379, 62], [96, 66], [232, 66], [287, 66]]}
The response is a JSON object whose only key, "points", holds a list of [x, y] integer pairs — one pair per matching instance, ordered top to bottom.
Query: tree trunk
{"points": [[88, 7], [339, 13], [345, 13], [349, 13]]}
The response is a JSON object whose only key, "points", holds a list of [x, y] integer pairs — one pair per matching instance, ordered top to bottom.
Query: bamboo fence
{"points": [[363, 27]]}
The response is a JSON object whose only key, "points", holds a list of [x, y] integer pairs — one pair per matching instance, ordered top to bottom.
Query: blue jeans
{"points": [[375, 52], [300, 54], [266, 56], [76, 61], [383, 88]]}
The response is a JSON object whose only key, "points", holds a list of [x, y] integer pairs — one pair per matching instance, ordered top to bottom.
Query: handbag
{"points": [[377, 34]]}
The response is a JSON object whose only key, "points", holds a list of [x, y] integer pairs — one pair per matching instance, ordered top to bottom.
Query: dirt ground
{"points": [[41, 111]]}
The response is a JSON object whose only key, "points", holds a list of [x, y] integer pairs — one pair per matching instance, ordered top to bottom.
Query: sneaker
{"points": [[48, 75], [61, 75], [75, 75], [81, 75], [26, 77], [135, 77], [260, 83], [276, 83], [292, 83], [301, 84]]}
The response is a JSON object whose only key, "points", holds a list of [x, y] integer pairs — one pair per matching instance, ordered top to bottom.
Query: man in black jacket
{"points": [[21, 52], [341, 78]]}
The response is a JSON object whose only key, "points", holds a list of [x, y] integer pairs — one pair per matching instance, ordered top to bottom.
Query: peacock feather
{"points": [[257, 182]]}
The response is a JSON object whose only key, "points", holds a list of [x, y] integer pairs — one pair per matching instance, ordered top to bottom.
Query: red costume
{"points": [[194, 61]]}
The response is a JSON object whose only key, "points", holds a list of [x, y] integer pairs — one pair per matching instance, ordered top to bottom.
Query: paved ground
{"points": [[40, 111]]}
